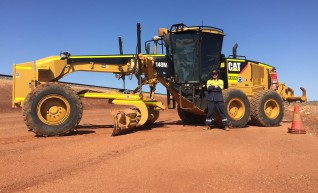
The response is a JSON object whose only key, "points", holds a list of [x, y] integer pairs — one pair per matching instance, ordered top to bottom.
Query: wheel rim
{"points": [[53, 109], [236, 109], [271, 109]]}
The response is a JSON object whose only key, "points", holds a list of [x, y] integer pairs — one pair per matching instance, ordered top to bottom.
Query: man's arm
{"points": [[221, 84], [215, 87], [211, 88]]}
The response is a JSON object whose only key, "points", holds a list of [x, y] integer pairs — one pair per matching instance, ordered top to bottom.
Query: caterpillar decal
{"points": [[235, 67]]}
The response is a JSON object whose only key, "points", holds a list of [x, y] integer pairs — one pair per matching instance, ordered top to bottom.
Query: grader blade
{"points": [[125, 121]]}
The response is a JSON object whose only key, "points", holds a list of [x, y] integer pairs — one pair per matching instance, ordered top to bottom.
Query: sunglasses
{"points": [[214, 74]]}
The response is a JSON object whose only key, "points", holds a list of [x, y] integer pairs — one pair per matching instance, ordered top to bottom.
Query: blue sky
{"points": [[280, 33]]}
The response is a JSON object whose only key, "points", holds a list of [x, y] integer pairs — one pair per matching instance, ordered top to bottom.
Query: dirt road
{"points": [[170, 157]]}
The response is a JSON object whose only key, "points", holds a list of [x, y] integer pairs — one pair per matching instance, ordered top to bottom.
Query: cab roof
{"points": [[176, 28]]}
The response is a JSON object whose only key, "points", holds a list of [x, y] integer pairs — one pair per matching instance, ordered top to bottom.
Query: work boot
{"points": [[208, 122], [207, 127], [226, 128]]}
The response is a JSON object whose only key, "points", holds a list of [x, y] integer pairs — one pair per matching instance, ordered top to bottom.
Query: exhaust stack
{"points": [[234, 50]]}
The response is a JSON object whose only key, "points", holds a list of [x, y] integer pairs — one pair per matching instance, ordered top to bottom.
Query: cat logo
{"points": [[234, 66]]}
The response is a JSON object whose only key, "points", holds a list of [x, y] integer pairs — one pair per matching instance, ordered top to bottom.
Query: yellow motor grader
{"points": [[189, 54]]}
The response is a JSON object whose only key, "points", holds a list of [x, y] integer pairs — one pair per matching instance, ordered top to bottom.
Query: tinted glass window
{"points": [[211, 51], [195, 55], [185, 57]]}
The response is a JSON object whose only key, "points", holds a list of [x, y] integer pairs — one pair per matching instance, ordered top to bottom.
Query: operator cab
{"points": [[194, 51], [191, 55]]}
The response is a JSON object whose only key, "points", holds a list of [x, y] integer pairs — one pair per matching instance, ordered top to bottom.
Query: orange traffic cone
{"points": [[296, 126]]}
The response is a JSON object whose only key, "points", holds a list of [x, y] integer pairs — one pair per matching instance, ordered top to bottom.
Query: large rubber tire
{"points": [[237, 107], [267, 108], [52, 109], [153, 115], [190, 118]]}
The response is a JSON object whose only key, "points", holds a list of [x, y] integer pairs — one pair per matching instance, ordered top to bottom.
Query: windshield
{"points": [[211, 46], [195, 54], [185, 57]]}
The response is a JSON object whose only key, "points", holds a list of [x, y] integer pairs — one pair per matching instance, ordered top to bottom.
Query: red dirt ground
{"points": [[170, 157]]}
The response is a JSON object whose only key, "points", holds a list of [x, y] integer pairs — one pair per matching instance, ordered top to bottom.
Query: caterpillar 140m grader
{"points": [[252, 91]]}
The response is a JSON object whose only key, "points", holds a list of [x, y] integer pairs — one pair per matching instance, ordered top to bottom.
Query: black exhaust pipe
{"points": [[120, 41], [234, 50], [139, 51]]}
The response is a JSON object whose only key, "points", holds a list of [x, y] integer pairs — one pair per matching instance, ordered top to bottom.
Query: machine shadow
{"points": [[159, 124], [88, 129]]}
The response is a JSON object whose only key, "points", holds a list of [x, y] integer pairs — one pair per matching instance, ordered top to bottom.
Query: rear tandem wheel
{"points": [[267, 108]]}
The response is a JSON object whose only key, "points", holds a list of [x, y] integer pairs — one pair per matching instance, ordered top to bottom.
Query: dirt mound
{"points": [[6, 98], [308, 112]]}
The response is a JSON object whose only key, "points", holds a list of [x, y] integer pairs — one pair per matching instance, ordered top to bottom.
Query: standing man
{"points": [[215, 100]]}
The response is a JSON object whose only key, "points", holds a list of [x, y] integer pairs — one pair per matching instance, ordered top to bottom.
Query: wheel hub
{"points": [[236, 108], [53, 109], [271, 109]]}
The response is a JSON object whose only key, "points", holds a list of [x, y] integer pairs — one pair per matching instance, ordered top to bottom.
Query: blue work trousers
{"points": [[217, 107]]}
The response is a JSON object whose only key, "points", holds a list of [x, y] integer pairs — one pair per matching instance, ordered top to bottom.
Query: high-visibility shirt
{"points": [[216, 83], [214, 89]]}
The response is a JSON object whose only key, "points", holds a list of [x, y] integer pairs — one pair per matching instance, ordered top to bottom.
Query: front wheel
{"points": [[237, 107], [52, 109], [153, 115], [190, 118]]}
